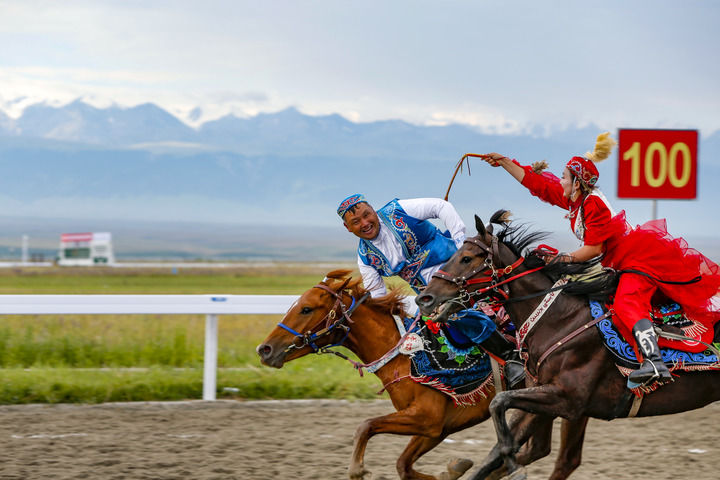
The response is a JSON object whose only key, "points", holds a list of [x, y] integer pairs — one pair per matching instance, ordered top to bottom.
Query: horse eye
{"points": [[466, 259], [306, 310]]}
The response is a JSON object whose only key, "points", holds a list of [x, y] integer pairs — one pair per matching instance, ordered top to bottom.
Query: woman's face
{"points": [[567, 182]]}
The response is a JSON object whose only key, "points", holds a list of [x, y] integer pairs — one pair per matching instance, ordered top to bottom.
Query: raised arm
{"points": [[498, 160], [545, 186], [427, 208]]}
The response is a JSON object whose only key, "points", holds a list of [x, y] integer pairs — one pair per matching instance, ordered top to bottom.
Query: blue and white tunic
{"points": [[408, 245]]}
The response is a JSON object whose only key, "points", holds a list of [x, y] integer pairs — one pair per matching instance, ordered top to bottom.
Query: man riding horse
{"points": [[399, 240]]}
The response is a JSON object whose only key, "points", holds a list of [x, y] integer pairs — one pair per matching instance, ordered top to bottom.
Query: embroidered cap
{"points": [[584, 169], [350, 201]]}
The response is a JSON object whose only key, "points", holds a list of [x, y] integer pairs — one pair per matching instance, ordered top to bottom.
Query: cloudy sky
{"points": [[502, 66]]}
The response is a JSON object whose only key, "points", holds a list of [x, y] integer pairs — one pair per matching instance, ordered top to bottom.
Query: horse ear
{"points": [[480, 226], [489, 228], [344, 284]]}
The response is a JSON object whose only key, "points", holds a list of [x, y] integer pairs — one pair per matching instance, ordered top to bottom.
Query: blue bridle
{"points": [[338, 315]]}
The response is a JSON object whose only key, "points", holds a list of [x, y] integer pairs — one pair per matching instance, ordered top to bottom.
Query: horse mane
{"points": [[518, 237], [597, 285], [391, 303]]}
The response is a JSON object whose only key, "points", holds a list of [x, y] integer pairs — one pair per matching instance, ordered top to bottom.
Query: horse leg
{"points": [[545, 400], [421, 423], [524, 425], [539, 443], [571, 444], [419, 446]]}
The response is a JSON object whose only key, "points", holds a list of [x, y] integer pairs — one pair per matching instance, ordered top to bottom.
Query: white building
{"points": [[85, 249]]}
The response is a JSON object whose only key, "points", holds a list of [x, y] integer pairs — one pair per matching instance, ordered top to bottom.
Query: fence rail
{"points": [[209, 305]]}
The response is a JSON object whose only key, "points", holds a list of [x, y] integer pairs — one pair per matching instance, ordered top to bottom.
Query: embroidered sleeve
{"points": [[545, 186], [428, 208], [596, 216], [372, 281]]}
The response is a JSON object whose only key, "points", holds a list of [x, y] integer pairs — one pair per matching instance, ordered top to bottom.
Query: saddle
{"points": [[670, 318], [450, 362]]}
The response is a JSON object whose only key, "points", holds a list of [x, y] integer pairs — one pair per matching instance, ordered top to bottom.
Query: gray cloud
{"points": [[644, 63]]}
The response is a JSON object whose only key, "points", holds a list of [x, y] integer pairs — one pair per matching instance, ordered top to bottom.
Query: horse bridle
{"points": [[492, 275], [335, 320]]}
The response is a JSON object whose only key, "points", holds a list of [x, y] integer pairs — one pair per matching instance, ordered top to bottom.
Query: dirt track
{"points": [[307, 440]]}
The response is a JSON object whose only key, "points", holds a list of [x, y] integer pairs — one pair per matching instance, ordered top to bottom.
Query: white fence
{"points": [[209, 305]]}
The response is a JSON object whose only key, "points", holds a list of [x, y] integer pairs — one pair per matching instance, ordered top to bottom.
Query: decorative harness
{"points": [[490, 274], [493, 275], [338, 318], [334, 320]]}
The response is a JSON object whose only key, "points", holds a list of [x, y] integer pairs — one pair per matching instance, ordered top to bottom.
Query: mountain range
{"points": [[111, 168]]}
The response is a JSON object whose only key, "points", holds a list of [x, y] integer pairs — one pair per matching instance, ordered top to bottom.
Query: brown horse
{"points": [[368, 329], [572, 375]]}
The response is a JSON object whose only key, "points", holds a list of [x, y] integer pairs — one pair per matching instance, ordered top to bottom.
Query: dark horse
{"points": [[333, 313], [571, 377]]}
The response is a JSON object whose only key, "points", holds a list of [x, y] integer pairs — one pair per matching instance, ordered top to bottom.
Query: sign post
{"points": [[655, 164]]}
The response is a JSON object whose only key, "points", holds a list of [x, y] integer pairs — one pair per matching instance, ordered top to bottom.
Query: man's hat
{"points": [[349, 202]]}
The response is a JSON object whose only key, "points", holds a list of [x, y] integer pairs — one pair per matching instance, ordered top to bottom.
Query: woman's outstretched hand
{"points": [[494, 159], [499, 160]]}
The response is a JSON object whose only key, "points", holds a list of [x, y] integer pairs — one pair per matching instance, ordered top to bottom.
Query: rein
{"points": [[491, 274], [335, 319]]}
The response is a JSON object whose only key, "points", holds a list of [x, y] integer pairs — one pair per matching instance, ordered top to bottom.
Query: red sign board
{"points": [[657, 163], [76, 237]]}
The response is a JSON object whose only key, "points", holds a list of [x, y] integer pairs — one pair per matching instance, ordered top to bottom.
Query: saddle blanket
{"points": [[624, 353], [449, 362]]}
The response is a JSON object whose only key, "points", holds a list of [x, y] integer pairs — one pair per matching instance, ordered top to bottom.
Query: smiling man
{"points": [[399, 239]]}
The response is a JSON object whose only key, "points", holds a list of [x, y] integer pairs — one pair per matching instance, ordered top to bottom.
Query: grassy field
{"points": [[99, 358]]}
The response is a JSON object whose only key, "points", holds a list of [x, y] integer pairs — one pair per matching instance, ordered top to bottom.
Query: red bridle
{"points": [[491, 274]]}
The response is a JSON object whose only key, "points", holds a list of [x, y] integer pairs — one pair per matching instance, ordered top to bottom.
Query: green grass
{"points": [[154, 282], [94, 341], [99, 358], [304, 378]]}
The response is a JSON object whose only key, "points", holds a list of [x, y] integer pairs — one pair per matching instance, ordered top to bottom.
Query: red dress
{"points": [[648, 248]]}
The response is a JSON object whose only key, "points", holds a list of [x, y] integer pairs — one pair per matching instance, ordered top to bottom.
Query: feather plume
{"points": [[603, 146], [538, 167]]}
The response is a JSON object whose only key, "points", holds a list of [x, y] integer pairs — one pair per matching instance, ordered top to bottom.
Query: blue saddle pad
{"points": [[624, 353], [451, 363]]}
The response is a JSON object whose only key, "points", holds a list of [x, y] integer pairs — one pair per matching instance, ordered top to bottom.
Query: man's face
{"points": [[363, 222]]}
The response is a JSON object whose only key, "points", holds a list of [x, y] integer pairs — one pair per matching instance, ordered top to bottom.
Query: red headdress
{"points": [[584, 167]]}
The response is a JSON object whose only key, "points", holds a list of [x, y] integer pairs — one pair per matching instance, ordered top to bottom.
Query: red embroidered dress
{"points": [[648, 248]]}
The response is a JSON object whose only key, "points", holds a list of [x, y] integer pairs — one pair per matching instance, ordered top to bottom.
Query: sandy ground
{"points": [[307, 440]]}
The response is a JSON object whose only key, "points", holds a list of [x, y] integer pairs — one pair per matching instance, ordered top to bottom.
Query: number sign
{"points": [[657, 163]]}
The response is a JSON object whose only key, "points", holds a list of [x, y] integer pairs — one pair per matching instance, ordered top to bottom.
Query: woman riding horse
{"points": [[661, 262]]}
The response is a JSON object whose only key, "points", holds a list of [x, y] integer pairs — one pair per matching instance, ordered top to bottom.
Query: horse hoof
{"points": [[456, 468], [358, 474], [498, 474], [518, 474]]}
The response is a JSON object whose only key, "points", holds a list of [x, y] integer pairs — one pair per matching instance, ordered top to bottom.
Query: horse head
{"points": [[469, 274], [317, 319]]}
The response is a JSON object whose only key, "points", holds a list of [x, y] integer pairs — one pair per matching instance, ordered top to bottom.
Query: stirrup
{"points": [[656, 376], [516, 379]]}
